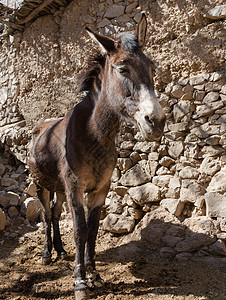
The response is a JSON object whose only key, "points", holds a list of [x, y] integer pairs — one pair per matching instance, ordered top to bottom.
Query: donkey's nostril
{"points": [[150, 121]]}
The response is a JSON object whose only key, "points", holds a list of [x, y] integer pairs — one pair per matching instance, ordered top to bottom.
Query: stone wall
{"points": [[184, 174]]}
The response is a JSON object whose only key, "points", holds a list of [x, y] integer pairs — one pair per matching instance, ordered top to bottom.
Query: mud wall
{"points": [[185, 174]]}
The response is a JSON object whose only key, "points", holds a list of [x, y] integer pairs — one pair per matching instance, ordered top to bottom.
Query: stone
{"points": [[130, 7], [114, 11], [217, 13], [103, 23], [199, 79], [177, 91], [199, 95], [211, 97], [181, 109], [207, 109], [212, 140], [127, 145], [146, 147], [175, 149], [211, 151], [135, 157], [166, 161], [149, 166], [209, 166], [2, 169], [189, 173], [135, 176], [162, 180], [6, 181], [218, 182], [31, 189], [121, 190], [173, 190], [191, 191], [145, 193], [9, 198], [114, 203], [215, 204], [174, 206], [31, 208], [13, 212], [135, 213], [2, 220], [118, 223], [170, 240], [194, 242], [218, 248], [167, 252], [184, 256]]}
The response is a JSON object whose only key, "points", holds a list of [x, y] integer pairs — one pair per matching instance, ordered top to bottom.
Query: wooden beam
{"points": [[35, 12], [11, 24]]}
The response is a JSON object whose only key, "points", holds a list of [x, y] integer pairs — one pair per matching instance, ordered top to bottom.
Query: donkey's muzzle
{"points": [[153, 128]]}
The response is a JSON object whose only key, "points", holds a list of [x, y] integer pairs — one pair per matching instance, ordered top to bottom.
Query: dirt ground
{"points": [[127, 274]]}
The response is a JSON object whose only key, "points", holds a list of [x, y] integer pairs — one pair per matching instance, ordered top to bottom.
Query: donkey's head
{"points": [[128, 80]]}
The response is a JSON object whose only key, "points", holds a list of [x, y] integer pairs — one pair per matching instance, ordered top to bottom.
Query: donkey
{"points": [[76, 155]]}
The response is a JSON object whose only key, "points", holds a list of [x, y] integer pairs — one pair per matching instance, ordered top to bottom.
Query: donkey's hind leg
{"points": [[45, 198], [56, 212]]}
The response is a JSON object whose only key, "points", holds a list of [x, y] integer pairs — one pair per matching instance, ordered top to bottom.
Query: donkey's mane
{"points": [[89, 76]]}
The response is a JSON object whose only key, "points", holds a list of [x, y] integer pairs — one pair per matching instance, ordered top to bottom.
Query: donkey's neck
{"points": [[104, 122]]}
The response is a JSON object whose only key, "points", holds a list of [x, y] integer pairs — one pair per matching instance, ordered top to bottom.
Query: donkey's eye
{"points": [[121, 69]]}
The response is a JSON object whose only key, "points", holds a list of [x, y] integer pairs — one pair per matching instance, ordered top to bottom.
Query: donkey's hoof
{"points": [[62, 255], [46, 260], [94, 280], [82, 294]]}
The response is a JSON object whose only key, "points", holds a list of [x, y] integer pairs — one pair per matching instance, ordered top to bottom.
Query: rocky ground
{"points": [[130, 270]]}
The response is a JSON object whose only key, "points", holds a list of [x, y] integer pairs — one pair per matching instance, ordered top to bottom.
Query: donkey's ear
{"points": [[141, 30], [106, 44]]}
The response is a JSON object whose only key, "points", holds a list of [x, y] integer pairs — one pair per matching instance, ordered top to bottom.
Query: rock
{"points": [[130, 7], [114, 11], [217, 13], [103, 23], [199, 79], [177, 91], [199, 95], [211, 97], [181, 109], [207, 109], [212, 140], [146, 147], [175, 149], [211, 151], [166, 161], [124, 164], [210, 166], [2, 169], [189, 173], [135, 176], [162, 180], [6, 181], [218, 182], [173, 188], [31, 190], [191, 191], [145, 193], [9, 198], [114, 203], [215, 205], [174, 206], [31, 208], [13, 212], [135, 213], [2, 220], [118, 223], [171, 240], [194, 242], [218, 248], [167, 252], [183, 256], [216, 262]]}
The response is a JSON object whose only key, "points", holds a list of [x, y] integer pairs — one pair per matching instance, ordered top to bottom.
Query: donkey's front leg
{"points": [[75, 200], [95, 203]]}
